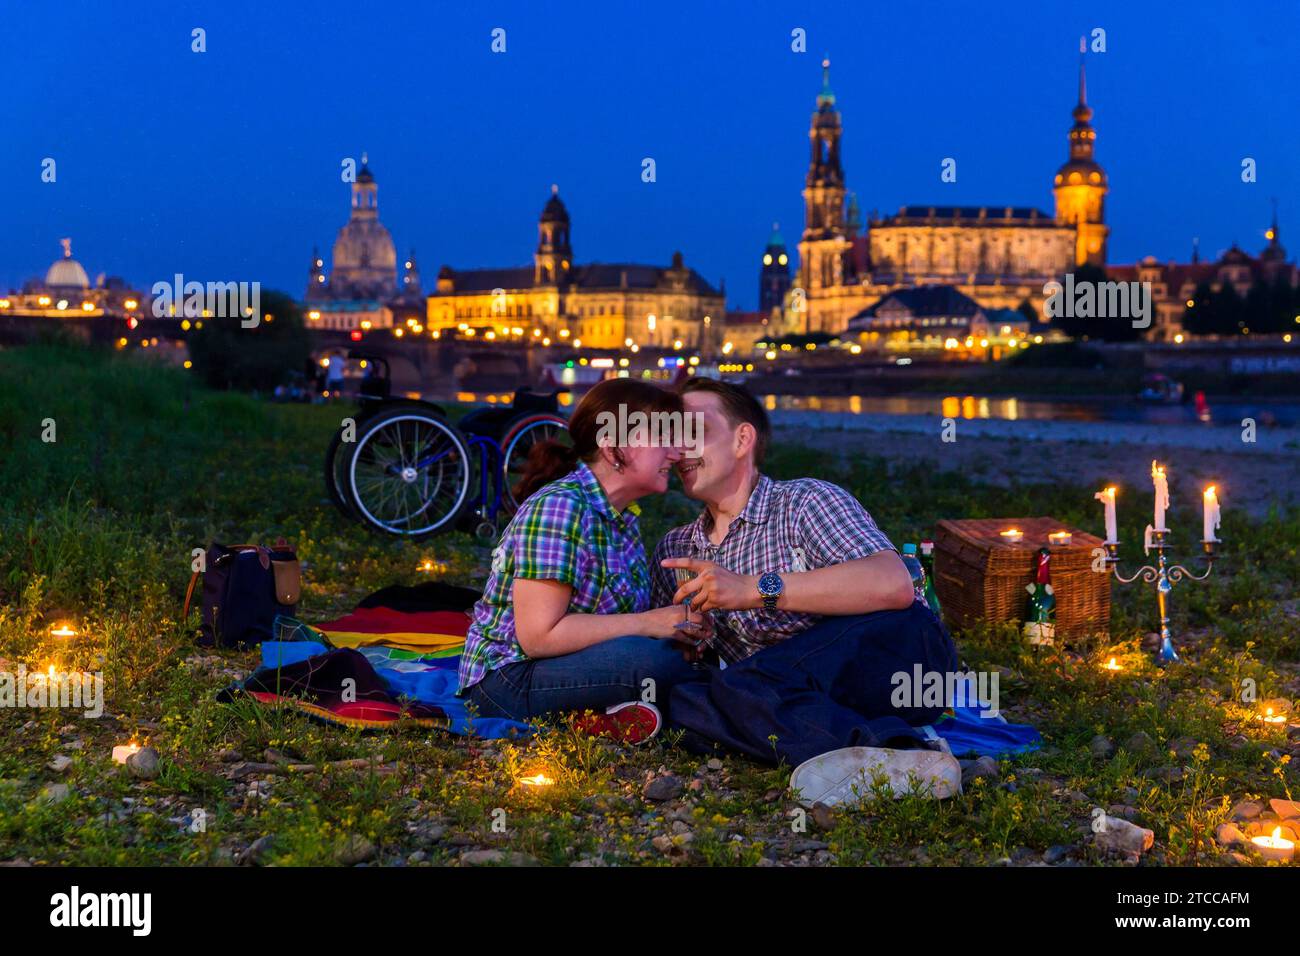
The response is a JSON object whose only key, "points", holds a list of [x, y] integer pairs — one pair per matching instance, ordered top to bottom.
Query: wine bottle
{"points": [[927, 563], [1040, 610]]}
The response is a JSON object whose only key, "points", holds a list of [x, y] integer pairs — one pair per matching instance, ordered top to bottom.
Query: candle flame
{"points": [[1156, 469], [1209, 492], [62, 630], [1112, 665], [537, 780], [1277, 833]]}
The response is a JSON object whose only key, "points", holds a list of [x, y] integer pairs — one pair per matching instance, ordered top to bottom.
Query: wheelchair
{"points": [[401, 467]]}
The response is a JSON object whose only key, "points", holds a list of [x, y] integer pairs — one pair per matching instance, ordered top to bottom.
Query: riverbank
{"points": [[1253, 476]]}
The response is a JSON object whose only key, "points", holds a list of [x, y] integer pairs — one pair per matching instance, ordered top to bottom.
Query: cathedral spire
{"points": [[827, 96], [1080, 184]]}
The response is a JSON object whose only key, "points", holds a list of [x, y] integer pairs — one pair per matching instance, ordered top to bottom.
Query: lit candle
{"points": [[1162, 494], [1107, 498], [1211, 523], [1012, 534], [1060, 538], [63, 630], [1112, 665], [1269, 717], [122, 751], [537, 780], [1275, 846]]}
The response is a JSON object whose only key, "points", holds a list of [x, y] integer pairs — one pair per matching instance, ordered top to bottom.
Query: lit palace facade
{"points": [[998, 256], [597, 305]]}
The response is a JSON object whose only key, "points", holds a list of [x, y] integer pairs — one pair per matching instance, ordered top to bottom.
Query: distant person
{"points": [[334, 376]]}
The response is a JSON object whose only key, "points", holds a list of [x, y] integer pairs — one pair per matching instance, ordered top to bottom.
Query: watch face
{"points": [[770, 584]]}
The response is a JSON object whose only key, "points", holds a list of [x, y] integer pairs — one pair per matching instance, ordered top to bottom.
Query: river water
{"points": [[1010, 408]]}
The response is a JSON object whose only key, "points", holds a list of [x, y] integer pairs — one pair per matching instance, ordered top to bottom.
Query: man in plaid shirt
{"points": [[812, 610]]}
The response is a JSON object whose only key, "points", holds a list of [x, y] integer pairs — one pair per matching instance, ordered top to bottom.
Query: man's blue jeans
{"points": [[591, 679], [827, 688]]}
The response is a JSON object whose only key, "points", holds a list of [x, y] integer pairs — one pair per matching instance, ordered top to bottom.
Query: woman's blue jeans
{"points": [[614, 671]]}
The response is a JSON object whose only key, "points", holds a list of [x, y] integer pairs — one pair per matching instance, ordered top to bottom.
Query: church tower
{"points": [[1080, 187], [365, 193], [824, 241], [554, 256], [410, 276], [774, 277]]}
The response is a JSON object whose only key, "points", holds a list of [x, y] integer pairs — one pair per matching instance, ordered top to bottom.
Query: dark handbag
{"points": [[244, 587]]}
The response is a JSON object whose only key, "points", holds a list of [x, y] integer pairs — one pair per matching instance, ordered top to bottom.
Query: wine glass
{"points": [[683, 575]]}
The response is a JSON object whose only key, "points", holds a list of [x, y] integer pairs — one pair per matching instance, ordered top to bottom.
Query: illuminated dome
{"points": [[66, 273]]}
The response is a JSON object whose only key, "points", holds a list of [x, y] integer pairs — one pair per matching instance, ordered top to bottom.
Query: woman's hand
{"points": [[662, 622]]}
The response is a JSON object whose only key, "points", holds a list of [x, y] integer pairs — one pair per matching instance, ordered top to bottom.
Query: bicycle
{"points": [[401, 467]]}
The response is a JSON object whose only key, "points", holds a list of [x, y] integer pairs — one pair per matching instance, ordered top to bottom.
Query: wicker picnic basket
{"points": [[981, 577]]}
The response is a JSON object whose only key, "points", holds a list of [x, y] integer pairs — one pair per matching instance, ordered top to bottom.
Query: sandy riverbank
{"points": [[1252, 476]]}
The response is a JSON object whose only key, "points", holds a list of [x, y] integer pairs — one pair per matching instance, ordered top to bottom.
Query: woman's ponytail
{"points": [[609, 401], [547, 461]]}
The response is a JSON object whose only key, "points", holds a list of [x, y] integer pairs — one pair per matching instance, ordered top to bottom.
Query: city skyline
{"points": [[723, 113]]}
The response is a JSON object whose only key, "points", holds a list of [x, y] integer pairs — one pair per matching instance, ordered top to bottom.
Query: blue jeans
{"points": [[594, 678], [827, 688]]}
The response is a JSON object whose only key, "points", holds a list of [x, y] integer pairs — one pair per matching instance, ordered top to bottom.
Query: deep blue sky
{"points": [[225, 165]]}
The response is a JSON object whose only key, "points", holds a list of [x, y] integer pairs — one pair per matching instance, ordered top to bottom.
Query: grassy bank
{"points": [[98, 526]]}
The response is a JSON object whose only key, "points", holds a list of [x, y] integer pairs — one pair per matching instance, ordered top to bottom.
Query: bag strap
{"points": [[189, 593]]}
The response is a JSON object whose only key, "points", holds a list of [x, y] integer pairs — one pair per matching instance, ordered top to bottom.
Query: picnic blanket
{"points": [[377, 666], [400, 671]]}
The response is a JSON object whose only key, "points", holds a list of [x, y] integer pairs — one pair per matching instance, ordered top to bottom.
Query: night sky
{"points": [[225, 165]]}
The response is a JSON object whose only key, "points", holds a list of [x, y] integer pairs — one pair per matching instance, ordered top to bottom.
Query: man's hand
{"points": [[714, 587]]}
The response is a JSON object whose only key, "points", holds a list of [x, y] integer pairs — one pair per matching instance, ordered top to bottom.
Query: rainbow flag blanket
{"points": [[377, 668]]}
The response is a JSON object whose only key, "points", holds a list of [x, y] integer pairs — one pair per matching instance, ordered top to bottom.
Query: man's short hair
{"points": [[739, 406]]}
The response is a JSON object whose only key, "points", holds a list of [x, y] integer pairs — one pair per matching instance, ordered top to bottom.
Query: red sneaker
{"points": [[631, 722]]}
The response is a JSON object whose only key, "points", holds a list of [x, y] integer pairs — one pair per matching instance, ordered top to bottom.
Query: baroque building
{"points": [[998, 256], [1174, 284], [361, 289], [67, 291], [558, 301]]}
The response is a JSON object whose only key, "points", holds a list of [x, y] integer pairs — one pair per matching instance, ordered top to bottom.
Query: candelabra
{"points": [[1164, 576]]}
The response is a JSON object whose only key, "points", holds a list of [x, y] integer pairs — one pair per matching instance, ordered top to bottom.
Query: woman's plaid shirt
{"points": [[786, 526], [568, 532]]}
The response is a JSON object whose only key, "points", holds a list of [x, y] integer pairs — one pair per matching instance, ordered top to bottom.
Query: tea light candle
{"points": [[1107, 498], [1211, 522], [1012, 534], [1060, 538], [63, 630], [1112, 665], [1269, 717], [122, 751], [537, 780], [1274, 846]]}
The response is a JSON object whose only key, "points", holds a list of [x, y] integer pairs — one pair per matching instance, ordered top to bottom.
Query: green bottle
{"points": [[927, 562], [1040, 611]]}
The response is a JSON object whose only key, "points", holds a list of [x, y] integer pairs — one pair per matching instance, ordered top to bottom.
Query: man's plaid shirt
{"points": [[787, 526], [567, 532]]}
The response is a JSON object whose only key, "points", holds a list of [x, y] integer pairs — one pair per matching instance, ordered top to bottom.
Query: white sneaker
{"points": [[853, 773]]}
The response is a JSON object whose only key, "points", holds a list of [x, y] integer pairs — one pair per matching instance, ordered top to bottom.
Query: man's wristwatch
{"points": [[770, 586]]}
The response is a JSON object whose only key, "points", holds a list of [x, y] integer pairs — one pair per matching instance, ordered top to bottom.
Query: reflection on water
{"points": [[1011, 408]]}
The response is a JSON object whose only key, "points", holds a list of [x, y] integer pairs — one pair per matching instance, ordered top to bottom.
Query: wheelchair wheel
{"points": [[520, 437], [338, 456], [409, 473]]}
